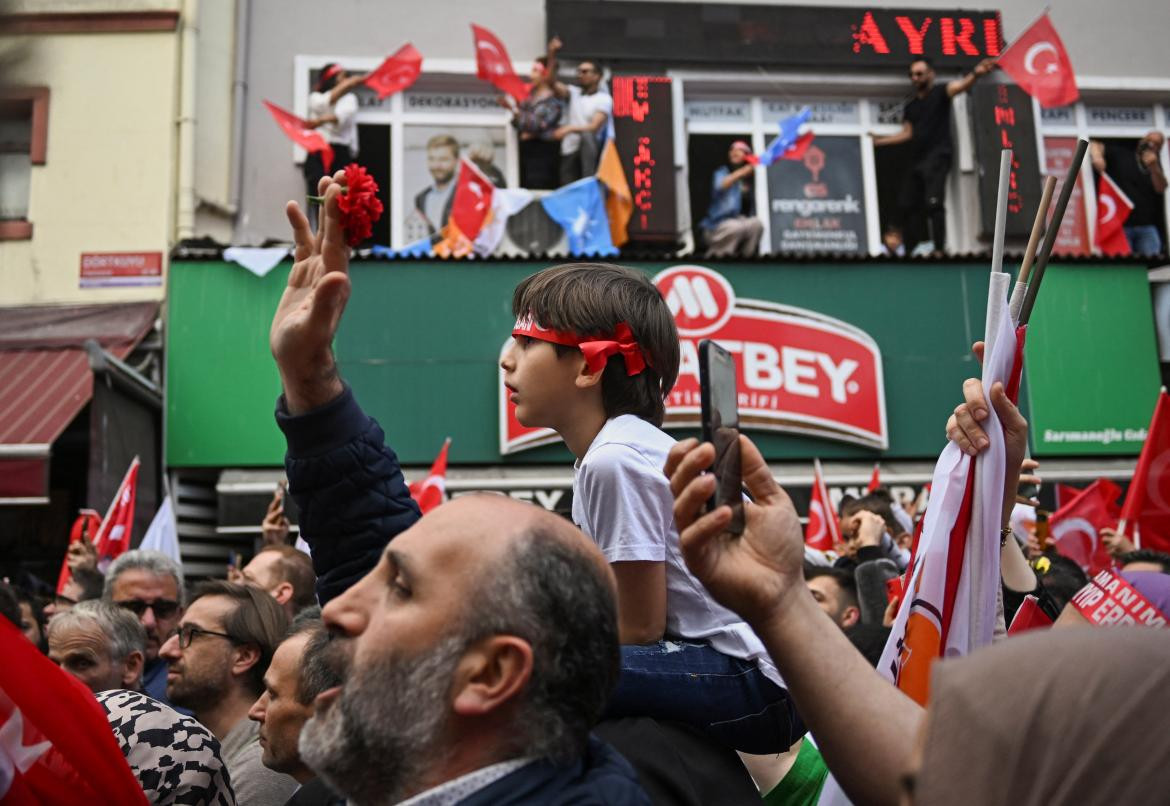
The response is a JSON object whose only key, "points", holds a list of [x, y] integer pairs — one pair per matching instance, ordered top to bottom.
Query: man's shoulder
{"points": [[601, 775]]}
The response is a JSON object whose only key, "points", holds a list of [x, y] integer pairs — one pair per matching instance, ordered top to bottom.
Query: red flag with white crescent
{"points": [[1038, 62], [493, 65], [399, 71], [297, 130], [473, 199], [1113, 208], [428, 493], [1146, 513], [87, 525], [1076, 527], [822, 532], [113, 536], [56, 745]]}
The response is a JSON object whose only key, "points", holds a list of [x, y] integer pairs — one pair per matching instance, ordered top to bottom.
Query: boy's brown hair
{"points": [[591, 299]]}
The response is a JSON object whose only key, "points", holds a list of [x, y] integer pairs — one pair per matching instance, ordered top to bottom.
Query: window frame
{"points": [[21, 229]]}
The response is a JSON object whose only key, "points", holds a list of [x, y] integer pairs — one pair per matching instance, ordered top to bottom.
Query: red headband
{"points": [[330, 72], [596, 351], [1110, 599]]}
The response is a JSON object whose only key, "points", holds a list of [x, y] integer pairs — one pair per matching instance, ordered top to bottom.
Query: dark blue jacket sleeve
{"points": [[348, 487]]}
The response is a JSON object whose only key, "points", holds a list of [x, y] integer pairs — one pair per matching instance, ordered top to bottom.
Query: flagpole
{"points": [[1005, 173], [1070, 181], [1017, 300]]}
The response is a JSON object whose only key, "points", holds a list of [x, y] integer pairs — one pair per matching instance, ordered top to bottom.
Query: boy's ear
{"points": [[585, 379]]}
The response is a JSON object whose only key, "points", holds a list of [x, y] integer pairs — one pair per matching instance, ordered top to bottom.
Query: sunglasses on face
{"points": [[162, 608]]}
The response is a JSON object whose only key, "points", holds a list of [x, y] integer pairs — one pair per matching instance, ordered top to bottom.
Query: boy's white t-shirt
{"points": [[622, 500]]}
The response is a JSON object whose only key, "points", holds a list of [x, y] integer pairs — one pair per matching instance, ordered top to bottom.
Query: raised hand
{"points": [[306, 319], [274, 529], [752, 573]]}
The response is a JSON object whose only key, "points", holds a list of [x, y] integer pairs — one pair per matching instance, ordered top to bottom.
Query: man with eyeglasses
{"points": [[587, 118], [926, 125], [150, 585], [218, 657]]}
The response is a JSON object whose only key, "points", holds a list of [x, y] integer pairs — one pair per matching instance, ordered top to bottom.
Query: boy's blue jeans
{"points": [[728, 698]]}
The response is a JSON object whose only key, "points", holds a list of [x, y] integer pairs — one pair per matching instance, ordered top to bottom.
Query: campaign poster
{"points": [[817, 203]]}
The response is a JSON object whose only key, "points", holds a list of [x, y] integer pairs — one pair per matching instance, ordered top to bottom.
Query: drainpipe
{"points": [[239, 99], [185, 218]]}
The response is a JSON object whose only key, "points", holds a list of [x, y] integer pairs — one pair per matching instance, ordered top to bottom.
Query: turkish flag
{"points": [[1038, 62], [493, 65], [397, 73], [299, 132], [797, 150], [473, 199], [1113, 208], [875, 480], [428, 493], [1065, 493], [1146, 512], [86, 526], [1076, 527], [822, 532], [113, 536], [1029, 617], [56, 745]]}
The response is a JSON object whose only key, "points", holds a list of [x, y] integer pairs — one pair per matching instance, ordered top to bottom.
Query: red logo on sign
{"points": [[799, 371]]}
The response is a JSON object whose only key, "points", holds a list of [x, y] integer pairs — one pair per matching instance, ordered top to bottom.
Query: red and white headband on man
{"points": [[596, 350]]}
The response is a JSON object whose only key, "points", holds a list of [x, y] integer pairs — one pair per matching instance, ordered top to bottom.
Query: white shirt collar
{"points": [[458, 789]]}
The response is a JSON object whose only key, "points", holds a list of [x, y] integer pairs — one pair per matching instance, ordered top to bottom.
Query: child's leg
{"points": [[728, 698]]}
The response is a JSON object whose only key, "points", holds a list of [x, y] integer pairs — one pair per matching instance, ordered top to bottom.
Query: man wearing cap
{"points": [[731, 227]]}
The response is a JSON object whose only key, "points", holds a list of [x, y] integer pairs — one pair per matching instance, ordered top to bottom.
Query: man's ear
{"points": [[282, 593], [851, 616], [244, 657], [132, 669], [490, 674]]}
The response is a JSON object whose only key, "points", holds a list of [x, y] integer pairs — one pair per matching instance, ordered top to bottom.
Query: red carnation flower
{"points": [[359, 204]]}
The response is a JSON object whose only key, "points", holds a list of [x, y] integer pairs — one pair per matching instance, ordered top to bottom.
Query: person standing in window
{"points": [[333, 109], [588, 118], [536, 119], [926, 125], [1139, 175], [731, 226]]}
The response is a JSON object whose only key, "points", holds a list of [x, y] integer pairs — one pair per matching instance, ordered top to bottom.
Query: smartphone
{"points": [[720, 420], [234, 559]]}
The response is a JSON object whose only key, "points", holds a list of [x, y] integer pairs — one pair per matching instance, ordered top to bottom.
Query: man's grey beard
{"points": [[378, 740]]}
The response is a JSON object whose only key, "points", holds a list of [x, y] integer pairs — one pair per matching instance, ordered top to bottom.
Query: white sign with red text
{"points": [[798, 371]]}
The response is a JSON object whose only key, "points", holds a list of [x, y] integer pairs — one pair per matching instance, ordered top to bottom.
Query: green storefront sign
{"points": [[420, 342]]}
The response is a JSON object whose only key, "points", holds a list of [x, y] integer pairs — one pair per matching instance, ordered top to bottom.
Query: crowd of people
{"points": [[493, 652]]}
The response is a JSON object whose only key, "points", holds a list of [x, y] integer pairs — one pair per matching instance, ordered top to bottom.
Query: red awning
{"points": [[45, 380]]}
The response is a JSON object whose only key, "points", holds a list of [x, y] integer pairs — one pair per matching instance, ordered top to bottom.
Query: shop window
{"points": [[705, 153]]}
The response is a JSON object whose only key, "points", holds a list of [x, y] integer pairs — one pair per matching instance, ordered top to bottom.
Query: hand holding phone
{"points": [[720, 418]]}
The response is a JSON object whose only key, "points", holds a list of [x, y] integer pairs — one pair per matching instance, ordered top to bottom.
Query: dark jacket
{"points": [[348, 488], [601, 776]]}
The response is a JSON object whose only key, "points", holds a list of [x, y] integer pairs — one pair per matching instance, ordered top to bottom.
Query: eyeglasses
{"points": [[162, 608], [188, 632]]}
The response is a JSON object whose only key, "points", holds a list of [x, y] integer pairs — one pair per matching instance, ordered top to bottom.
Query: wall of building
{"points": [[1116, 50], [107, 183]]}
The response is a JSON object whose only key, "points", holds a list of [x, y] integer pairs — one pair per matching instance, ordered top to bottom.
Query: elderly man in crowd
{"points": [[286, 574], [150, 585], [101, 645], [477, 655], [217, 662], [298, 673]]}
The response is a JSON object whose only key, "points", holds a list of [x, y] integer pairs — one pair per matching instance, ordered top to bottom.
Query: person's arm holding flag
{"points": [[961, 85]]}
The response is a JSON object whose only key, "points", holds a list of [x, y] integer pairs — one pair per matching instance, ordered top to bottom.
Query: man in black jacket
{"points": [[481, 648]]}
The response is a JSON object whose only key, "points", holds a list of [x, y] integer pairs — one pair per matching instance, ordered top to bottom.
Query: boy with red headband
{"points": [[595, 353]]}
